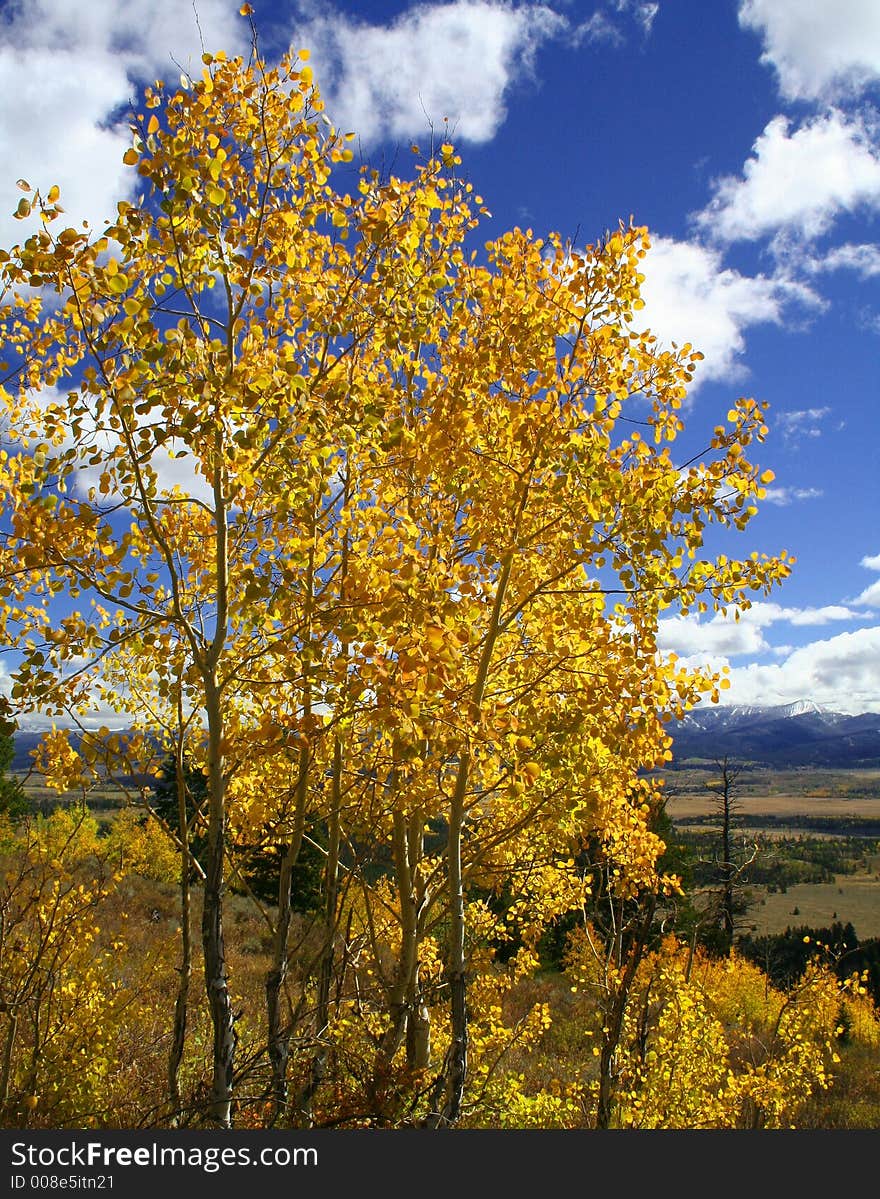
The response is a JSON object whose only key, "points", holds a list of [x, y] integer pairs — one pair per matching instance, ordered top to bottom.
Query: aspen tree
{"points": [[365, 500]]}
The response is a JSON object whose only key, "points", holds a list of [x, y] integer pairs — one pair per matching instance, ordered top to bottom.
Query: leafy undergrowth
{"points": [[90, 969]]}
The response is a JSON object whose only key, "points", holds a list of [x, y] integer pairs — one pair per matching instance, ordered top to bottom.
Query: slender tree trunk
{"points": [[726, 801], [727, 866], [331, 868], [325, 969], [456, 976], [216, 982], [404, 992], [418, 1018], [613, 1019], [418, 1029], [278, 1030], [279, 1033], [178, 1039], [8, 1048], [456, 1061], [455, 1069]]}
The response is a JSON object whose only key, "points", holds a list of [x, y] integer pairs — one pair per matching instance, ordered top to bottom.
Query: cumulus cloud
{"points": [[143, 37], [817, 49], [435, 61], [68, 73], [52, 123], [800, 181], [863, 259], [690, 296], [171, 471], [783, 496], [871, 594], [809, 616], [731, 636], [688, 637], [842, 673], [5, 679], [36, 721]]}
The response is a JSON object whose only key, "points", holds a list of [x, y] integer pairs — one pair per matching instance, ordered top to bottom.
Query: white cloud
{"points": [[645, 14], [602, 27], [599, 28], [143, 37], [818, 48], [457, 61], [67, 76], [52, 129], [799, 182], [863, 259], [691, 297], [795, 425], [171, 471], [783, 496], [871, 595], [815, 616], [691, 639], [696, 640], [842, 673], [37, 721]]}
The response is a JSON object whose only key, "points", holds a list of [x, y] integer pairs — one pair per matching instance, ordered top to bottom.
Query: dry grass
{"points": [[789, 798], [682, 808], [851, 897]]}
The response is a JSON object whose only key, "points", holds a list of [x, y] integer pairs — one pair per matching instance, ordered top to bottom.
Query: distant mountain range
{"points": [[799, 734], [27, 740], [24, 742]]}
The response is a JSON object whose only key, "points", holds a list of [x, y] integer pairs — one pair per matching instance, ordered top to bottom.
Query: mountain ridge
{"points": [[803, 733], [784, 735]]}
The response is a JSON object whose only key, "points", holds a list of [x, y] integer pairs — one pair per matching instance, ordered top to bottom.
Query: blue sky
{"points": [[744, 133]]}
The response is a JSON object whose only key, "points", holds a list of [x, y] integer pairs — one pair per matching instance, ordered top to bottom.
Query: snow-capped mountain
{"points": [[737, 715], [798, 734], [788, 735]]}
